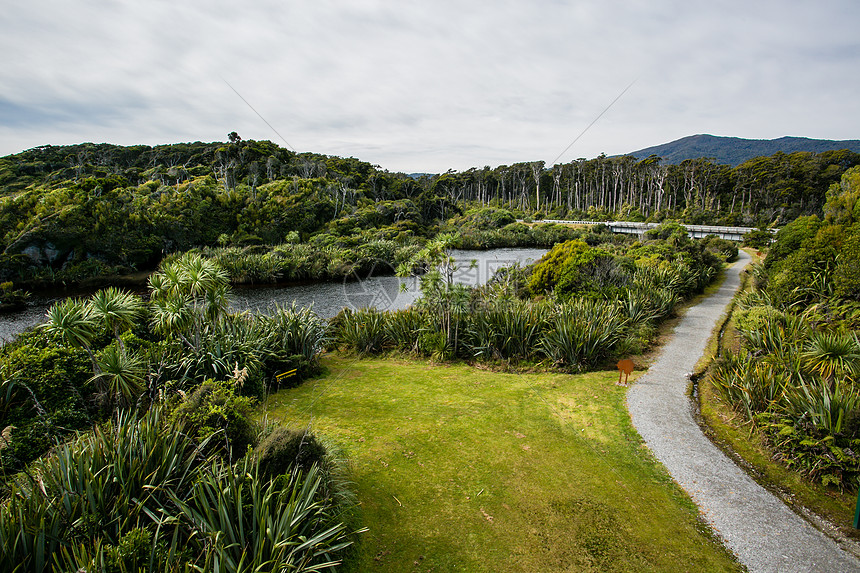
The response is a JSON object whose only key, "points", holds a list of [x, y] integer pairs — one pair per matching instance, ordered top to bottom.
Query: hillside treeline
{"points": [[763, 191], [92, 210], [72, 212]]}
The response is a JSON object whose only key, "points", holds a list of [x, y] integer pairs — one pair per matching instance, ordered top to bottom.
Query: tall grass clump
{"points": [[404, 329], [505, 330], [362, 331], [583, 332], [292, 339], [799, 386], [95, 490], [139, 494], [251, 524]]}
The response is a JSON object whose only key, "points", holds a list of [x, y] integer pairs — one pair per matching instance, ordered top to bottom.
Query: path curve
{"points": [[753, 523]]}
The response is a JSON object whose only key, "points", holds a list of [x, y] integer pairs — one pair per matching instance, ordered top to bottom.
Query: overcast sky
{"points": [[424, 86]]}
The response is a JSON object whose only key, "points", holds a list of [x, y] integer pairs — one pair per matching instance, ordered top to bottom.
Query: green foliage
{"points": [[843, 199], [75, 212], [484, 218], [73, 223], [670, 231], [514, 235], [758, 238], [792, 238], [723, 248], [324, 257], [565, 257], [811, 262], [846, 278], [12, 298], [115, 310], [759, 319], [71, 320], [577, 327], [404, 329], [505, 330], [362, 331], [582, 333], [293, 340], [832, 355], [120, 375], [796, 380], [42, 395], [214, 412], [285, 450], [828, 459], [98, 488], [136, 495], [252, 524]]}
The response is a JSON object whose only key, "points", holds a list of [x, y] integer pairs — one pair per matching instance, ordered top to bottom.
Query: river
{"points": [[378, 290]]}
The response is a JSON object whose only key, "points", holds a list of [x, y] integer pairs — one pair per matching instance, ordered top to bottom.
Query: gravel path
{"points": [[754, 524]]}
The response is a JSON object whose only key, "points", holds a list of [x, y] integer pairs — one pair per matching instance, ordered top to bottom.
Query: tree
{"points": [[843, 199], [437, 282], [189, 289], [116, 310], [71, 320], [121, 375]]}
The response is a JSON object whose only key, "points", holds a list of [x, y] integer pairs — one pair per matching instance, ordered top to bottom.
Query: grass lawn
{"points": [[463, 469]]}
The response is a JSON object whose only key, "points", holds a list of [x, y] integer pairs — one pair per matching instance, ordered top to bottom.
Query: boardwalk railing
{"points": [[695, 231]]}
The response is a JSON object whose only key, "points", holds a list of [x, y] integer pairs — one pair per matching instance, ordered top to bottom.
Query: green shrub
{"points": [[670, 231], [758, 238], [792, 238], [723, 248], [846, 277], [758, 318], [404, 328], [506, 330], [45, 393], [215, 412], [285, 450], [830, 460], [94, 491], [244, 522]]}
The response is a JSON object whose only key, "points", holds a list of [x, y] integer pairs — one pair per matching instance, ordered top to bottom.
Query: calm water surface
{"points": [[326, 299]]}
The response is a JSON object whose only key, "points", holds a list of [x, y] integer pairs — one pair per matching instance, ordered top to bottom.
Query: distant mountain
{"points": [[734, 150]]}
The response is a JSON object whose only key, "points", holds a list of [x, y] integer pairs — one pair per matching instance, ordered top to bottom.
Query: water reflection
{"points": [[381, 292], [326, 299]]}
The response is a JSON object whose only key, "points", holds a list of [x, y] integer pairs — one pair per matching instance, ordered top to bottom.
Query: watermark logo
{"points": [[374, 285]]}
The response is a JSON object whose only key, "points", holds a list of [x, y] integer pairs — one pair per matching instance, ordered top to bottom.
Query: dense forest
{"points": [[68, 213]]}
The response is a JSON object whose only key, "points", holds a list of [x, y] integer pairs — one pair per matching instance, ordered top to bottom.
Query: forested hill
{"points": [[735, 150], [78, 211]]}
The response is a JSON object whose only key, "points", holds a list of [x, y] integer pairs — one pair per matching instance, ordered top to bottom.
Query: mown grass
{"points": [[742, 441], [462, 469]]}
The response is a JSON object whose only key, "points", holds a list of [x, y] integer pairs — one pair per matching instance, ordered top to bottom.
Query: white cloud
{"points": [[427, 86]]}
